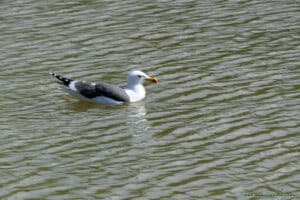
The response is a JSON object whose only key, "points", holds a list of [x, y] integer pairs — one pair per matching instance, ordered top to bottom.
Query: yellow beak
{"points": [[152, 79]]}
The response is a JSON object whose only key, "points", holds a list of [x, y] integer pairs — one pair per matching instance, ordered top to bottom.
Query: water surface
{"points": [[222, 123]]}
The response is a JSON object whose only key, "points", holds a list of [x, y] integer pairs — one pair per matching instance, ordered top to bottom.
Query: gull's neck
{"points": [[135, 91]]}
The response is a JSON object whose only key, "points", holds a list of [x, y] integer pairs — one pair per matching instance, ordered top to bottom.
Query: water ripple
{"points": [[221, 123]]}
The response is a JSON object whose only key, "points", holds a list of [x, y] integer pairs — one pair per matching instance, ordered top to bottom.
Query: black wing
{"points": [[62, 80], [91, 90]]}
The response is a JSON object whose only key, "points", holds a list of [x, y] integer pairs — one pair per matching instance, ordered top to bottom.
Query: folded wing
{"points": [[93, 90]]}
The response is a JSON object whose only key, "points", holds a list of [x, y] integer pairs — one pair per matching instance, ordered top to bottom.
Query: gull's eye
{"points": [[139, 76]]}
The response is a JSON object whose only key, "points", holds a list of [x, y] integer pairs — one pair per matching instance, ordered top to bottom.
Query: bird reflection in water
{"points": [[137, 122]]}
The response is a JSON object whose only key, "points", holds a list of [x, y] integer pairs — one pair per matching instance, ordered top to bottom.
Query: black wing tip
{"points": [[54, 75], [62, 80]]}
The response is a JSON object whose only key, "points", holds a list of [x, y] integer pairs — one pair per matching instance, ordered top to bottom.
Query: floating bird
{"points": [[105, 92]]}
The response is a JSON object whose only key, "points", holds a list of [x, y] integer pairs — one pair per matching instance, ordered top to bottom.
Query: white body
{"points": [[135, 93]]}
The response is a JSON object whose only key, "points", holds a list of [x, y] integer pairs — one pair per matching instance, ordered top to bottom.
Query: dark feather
{"points": [[62, 80], [91, 90]]}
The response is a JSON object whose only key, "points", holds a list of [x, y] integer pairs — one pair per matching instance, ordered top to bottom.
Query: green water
{"points": [[222, 123]]}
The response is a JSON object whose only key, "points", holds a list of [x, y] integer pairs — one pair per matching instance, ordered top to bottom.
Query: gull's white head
{"points": [[138, 77]]}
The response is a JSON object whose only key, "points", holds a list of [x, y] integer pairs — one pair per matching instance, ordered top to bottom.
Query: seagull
{"points": [[107, 93]]}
